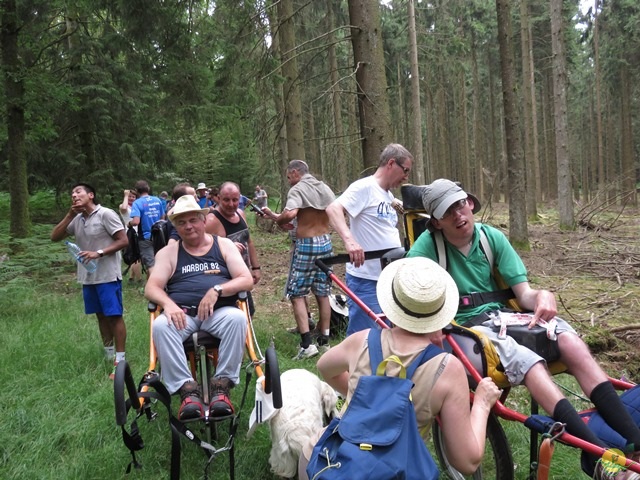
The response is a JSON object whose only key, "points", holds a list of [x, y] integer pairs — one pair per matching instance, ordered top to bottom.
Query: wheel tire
{"points": [[272, 377], [497, 462]]}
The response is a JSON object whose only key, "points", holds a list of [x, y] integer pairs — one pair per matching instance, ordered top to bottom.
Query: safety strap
{"points": [[474, 299], [134, 442], [544, 459]]}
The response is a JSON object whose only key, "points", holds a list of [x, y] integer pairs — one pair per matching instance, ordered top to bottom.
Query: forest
{"points": [[525, 101]]}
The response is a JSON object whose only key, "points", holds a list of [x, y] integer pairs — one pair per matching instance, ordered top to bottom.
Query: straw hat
{"points": [[186, 204], [417, 295]]}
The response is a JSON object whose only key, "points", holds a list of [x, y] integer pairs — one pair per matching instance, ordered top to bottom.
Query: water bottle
{"points": [[74, 250]]}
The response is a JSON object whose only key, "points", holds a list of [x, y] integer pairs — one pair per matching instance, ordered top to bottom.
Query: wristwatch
{"points": [[100, 252], [218, 289]]}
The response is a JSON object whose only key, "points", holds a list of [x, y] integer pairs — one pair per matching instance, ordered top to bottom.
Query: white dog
{"points": [[306, 402]]}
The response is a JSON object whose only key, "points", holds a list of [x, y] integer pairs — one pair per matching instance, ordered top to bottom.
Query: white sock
{"points": [[326, 332], [110, 351], [119, 356]]}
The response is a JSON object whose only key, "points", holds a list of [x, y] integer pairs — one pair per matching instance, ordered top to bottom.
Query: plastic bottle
{"points": [[74, 250]]}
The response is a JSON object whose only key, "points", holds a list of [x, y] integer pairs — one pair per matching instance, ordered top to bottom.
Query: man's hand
{"points": [[240, 246], [356, 253], [256, 276], [546, 307], [205, 309], [176, 316]]}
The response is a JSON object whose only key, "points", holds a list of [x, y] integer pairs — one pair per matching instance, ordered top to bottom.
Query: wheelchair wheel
{"points": [[272, 376], [497, 462]]}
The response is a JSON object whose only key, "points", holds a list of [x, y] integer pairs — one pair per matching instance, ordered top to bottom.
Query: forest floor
{"points": [[594, 272]]}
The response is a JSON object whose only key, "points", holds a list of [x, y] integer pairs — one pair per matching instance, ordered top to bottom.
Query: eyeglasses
{"points": [[405, 170], [456, 207]]}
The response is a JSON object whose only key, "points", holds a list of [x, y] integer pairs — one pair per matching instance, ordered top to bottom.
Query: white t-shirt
{"points": [[372, 222]]}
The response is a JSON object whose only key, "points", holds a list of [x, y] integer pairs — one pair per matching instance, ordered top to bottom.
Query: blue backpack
{"points": [[377, 438]]}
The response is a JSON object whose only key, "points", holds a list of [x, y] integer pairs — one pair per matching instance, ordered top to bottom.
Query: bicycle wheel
{"points": [[272, 376], [497, 462]]}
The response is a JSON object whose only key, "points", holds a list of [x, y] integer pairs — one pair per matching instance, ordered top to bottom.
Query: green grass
{"points": [[57, 401]]}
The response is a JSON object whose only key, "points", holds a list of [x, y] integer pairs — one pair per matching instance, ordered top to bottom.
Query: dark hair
{"points": [[142, 187], [89, 189], [180, 190]]}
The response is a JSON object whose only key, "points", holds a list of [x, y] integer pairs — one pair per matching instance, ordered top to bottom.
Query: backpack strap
{"points": [[375, 353]]}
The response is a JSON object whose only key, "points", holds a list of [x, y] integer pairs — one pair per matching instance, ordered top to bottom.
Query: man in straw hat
{"points": [[451, 210], [196, 282], [419, 298]]}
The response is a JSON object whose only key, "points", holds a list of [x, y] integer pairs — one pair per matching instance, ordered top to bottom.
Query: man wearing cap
{"points": [[203, 196], [307, 201], [371, 208], [451, 210], [196, 282], [420, 298]]}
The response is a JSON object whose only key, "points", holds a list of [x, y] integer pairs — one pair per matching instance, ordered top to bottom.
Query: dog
{"points": [[307, 402]]}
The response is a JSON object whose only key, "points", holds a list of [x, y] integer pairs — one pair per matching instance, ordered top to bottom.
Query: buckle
{"points": [[465, 301], [190, 310]]}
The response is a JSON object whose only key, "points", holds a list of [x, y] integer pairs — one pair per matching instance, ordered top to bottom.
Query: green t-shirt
{"points": [[473, 272]]}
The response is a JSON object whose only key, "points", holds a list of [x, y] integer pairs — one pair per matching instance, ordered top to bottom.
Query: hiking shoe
{"points": [[296, 330], [322, 341], [308, 352], [112, 375], [221, 405], [191, 407]]}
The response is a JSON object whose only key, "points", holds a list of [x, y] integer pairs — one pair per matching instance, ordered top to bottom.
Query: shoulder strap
{"points": [[438, 238], [485, 247], [375, 353]]}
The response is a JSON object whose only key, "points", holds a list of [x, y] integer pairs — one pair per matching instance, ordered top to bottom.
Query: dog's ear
{"points": [[329, 400]]}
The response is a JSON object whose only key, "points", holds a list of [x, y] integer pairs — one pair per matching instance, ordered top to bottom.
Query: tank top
{"points": [[236, 232], [194, 276], [424, 378]]}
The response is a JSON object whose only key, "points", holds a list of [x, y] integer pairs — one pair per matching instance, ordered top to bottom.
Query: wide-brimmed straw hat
{"points": [[440, 194], [186, 204], [417, 295]]}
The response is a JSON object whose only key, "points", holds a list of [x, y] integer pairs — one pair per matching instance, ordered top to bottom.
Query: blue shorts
{"points": [[305, 276], [105, 298]]}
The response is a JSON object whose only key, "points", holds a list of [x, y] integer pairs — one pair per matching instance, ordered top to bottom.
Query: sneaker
{"points": [[295, 330], [308, 352], [112, 375], [221, 405], [191, 407], [606, 470]]}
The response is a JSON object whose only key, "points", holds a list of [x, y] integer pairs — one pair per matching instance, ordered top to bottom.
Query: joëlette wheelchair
{"points": [[201, 350], [481, 360]]}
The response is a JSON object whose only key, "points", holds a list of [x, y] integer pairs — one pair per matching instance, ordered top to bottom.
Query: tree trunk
{"points": [[528, 90], [292, 101], [373, 103], [416, 111], [337, 153], [627, 168], [602, 180], [565, 190], [20, 224], [518, 232]]}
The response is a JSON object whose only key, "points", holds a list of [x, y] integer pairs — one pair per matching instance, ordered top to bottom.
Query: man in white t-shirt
{"points": [[370, 206]]}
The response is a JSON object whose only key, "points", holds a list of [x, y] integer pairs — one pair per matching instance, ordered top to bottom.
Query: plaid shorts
{"points": [[305, 276]]}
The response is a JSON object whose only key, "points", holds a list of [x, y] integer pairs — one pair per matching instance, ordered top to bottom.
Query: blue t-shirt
{"points": [[204, 202], [242, 204], [149, 210]]}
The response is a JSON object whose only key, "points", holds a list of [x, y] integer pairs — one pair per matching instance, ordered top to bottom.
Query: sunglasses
{"points": [[405, 170], [456, 207]]}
